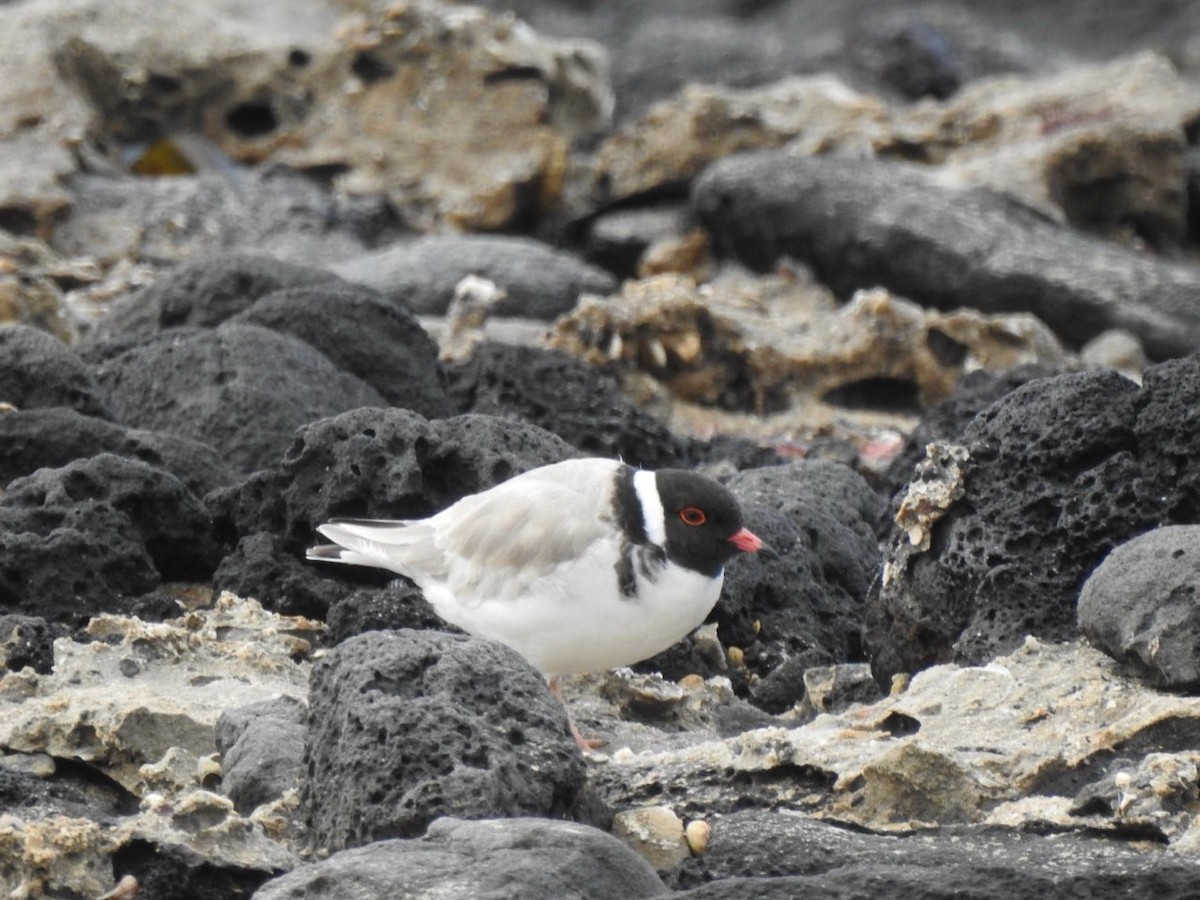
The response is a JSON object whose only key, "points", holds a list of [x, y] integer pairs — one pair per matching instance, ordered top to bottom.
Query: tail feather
{"points": [[398, 546]]}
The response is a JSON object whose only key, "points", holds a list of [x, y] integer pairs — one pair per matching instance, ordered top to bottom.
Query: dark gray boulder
{"points": [[864, 223], [540, 282], [205, 292], [364, 335], [38, 370], [242, 389], [568, 397], [39, 438], [375, 463], [381, 463], [1058, 472], [83, 538], [1142, 606], [807, 608], [408, 726], [262, 750], [785, 855], [497, 859]]}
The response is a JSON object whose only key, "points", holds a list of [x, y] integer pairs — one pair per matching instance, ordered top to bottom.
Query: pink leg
{"points": [[585, 744]]}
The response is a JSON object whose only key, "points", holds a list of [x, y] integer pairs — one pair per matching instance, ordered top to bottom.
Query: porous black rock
{"points": [[864, 223], [540, 282], [205, 292], [362, 334], [38, 370], [242, 389], [568, 397], [945, 422], [37, 438], [381, 463], [1058, 472], [820, 516], [86, 537], [263, 566], [399, 604], [1141, 606], [26, 641], [408, 726], [262, 750], [784, 855], [496, 859], [164, 869]]}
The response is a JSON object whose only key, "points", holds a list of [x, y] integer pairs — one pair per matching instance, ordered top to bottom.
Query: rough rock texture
{"points": [[896, 50], [459, 117], [676, 140], [1101, 147], [226, 212], [862, 223], [32, 282], [539, 282], [205, 292], [364, 335], [774, 343], [37, 370], [240, 388], [567, 397], [945, 422], [40, 438], [377, 463], [382, 463], [1056, 474], [820, 517], [77, 539], [274, 572], [400, 604], [1140, 606], [26, 641], [139, 689], [126, 724], [407, 726], [1008, 744], [262, 750], [534, 859], [837, 862], [164, 870], [1006, 876]]}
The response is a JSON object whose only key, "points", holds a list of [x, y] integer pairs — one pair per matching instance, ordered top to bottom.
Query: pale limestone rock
{"points": [[462, 118], [678, 138], [1100, 147], [766, 344], [189, 671], [153, 733], [960, 745], [207, 824], [655, 832], [53, 857]]}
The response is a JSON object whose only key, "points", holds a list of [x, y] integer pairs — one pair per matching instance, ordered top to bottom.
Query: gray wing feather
{"points": [[493, 544]]}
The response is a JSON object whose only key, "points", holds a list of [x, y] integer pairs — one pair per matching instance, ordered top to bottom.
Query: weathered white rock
{"points": [[678, 138], [1103, 148], [764, 343], [126, 699], [961, 745], [655, 832]]}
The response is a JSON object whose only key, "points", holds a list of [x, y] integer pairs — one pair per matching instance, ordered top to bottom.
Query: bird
{"points": [[580, 566]]}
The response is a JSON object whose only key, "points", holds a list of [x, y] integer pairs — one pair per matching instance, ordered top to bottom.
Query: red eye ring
{"points": [[693, 515]]}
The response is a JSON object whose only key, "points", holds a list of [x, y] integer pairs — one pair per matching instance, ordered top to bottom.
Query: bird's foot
{"points": [[587, 745]]}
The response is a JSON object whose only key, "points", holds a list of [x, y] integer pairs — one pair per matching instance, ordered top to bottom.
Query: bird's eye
{"points": [[693, 515]]}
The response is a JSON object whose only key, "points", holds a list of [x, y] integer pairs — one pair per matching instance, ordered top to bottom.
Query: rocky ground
{"points": [[919, 282]]}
